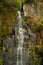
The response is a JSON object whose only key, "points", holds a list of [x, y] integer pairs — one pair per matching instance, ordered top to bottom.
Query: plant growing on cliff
{"points": [[33, 58]]}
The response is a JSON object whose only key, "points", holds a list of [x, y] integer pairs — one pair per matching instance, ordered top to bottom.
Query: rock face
{"points": [[31, 11], [10, 52]]}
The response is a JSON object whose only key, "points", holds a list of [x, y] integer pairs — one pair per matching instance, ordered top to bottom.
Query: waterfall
{"points": [[20, 40], [15, 45]]}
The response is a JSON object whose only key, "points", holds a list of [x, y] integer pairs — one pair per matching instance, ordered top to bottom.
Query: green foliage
{"points": [[19, 3], [39, 24], [3, 30], [32, 54], [0, 60]]}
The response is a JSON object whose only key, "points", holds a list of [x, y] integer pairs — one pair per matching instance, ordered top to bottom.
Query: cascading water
{"points": [[20, 41], [16, 45]]}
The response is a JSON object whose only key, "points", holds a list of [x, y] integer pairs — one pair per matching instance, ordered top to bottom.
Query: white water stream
{"points": [[20, 40]]}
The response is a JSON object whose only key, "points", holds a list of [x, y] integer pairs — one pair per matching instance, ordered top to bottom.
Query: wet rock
{"points": [[8, 41], [10, 56]]}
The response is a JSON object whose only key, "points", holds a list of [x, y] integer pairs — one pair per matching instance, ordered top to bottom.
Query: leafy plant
{"points": [[32, 56]]}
